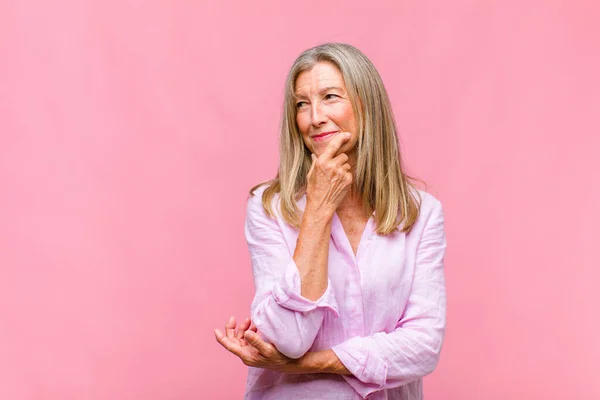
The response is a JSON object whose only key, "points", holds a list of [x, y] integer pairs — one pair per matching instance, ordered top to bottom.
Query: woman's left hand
{"points": [[253, 351]]}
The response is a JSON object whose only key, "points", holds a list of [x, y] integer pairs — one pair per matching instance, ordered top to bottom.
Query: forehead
{"points": [[323, 74]]}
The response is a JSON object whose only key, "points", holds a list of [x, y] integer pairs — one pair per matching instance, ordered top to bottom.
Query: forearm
{"points": [[312, 252], [289, 309], [321, 362]]}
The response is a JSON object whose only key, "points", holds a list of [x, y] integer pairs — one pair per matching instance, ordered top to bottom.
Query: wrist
{"points": [[315, 215], [318, 362], [308, 363]]}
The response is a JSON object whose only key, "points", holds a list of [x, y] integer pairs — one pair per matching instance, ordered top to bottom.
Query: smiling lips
{"points": [[323, 136]]}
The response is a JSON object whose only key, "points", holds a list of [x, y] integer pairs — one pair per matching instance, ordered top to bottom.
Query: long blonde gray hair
{"points": [[379, 175]]}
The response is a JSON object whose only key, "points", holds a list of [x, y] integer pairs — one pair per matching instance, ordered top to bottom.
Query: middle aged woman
{"points": [[347, 254]]}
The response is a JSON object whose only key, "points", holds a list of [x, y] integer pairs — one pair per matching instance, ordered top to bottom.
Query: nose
{"points": [[317, 116]]}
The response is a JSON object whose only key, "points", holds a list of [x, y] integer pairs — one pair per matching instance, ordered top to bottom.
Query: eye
{"points": [[330, 96], [300, 104]]}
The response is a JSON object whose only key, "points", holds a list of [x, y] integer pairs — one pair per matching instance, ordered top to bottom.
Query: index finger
{"points": [[335, 144], [242, 328]]}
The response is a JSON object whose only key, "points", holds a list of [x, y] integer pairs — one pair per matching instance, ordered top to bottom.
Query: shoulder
{"points": [[255, 198], [429, 203], [254, 204], [431, 215], [260, 227]]}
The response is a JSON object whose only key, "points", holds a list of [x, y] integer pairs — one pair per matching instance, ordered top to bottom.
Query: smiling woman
{"points": [[324, 108], [338, 234]]}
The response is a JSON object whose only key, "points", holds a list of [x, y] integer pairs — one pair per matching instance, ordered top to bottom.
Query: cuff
{"points": [[287, 293], [368, 369]]}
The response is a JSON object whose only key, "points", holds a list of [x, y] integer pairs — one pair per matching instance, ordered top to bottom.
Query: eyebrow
{"points": [[325, 89]]}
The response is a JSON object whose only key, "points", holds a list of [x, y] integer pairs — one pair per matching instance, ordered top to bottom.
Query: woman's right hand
{"points": [[329, 178]]}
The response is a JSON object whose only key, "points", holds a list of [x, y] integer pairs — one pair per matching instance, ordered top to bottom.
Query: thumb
{"points": [[256, 342]]}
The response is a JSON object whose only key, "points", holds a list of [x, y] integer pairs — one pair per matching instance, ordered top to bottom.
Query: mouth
{"points": [[323, 136]]}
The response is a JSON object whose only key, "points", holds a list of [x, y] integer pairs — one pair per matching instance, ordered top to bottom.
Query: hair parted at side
{"points": [[379, 175]]}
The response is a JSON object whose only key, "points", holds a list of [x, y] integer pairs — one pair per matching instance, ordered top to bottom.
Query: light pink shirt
{"points": [[383, 313]]}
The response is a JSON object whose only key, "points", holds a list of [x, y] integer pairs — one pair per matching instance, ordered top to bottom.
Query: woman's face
{"points": [[324, 108]]}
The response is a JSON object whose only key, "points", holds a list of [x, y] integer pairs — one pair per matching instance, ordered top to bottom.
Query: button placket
{"points": [[355, 289]]}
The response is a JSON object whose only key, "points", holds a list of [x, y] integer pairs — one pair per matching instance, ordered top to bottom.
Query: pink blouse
{"points": [[383, 313]]}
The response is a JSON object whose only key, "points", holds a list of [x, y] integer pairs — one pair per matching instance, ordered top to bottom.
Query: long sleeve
{"points": [[282, 315], [411, 351]]}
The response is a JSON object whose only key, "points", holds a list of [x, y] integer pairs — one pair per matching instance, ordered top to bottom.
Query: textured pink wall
{"points": [[131, 131]]}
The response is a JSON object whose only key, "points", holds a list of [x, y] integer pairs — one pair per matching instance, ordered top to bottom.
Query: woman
{"points": [[347, 255]]}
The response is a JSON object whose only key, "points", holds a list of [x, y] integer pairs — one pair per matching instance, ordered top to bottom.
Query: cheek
{"points": [[346, 117], [302, 123], [303, 127]]}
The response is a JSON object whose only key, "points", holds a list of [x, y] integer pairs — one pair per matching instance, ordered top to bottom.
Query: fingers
{"points": [[335, 144], [340, 159], [349, 178], [230, 328], [242, 328], [219, 335], [229, 344], [264, 348]]}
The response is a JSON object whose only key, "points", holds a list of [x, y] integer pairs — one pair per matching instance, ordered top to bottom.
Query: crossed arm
{"points": [[295, 300], [245, 343], [368, 364]]}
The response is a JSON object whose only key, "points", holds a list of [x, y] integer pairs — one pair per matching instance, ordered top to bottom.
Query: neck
{"points": [[353, 200]]}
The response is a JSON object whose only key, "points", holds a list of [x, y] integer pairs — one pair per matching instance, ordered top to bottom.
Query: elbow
{"points": [[290, 332], [427, 342], [293, 343], [292, 350], [424, 353], [430, 356], [433, 360], [422, 363]]}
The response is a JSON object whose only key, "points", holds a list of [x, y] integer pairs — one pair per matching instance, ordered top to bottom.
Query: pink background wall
{"points": [[132, 130]]}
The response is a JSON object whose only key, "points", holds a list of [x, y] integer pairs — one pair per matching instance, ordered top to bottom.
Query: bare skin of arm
{"points": [[328, 182]]}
